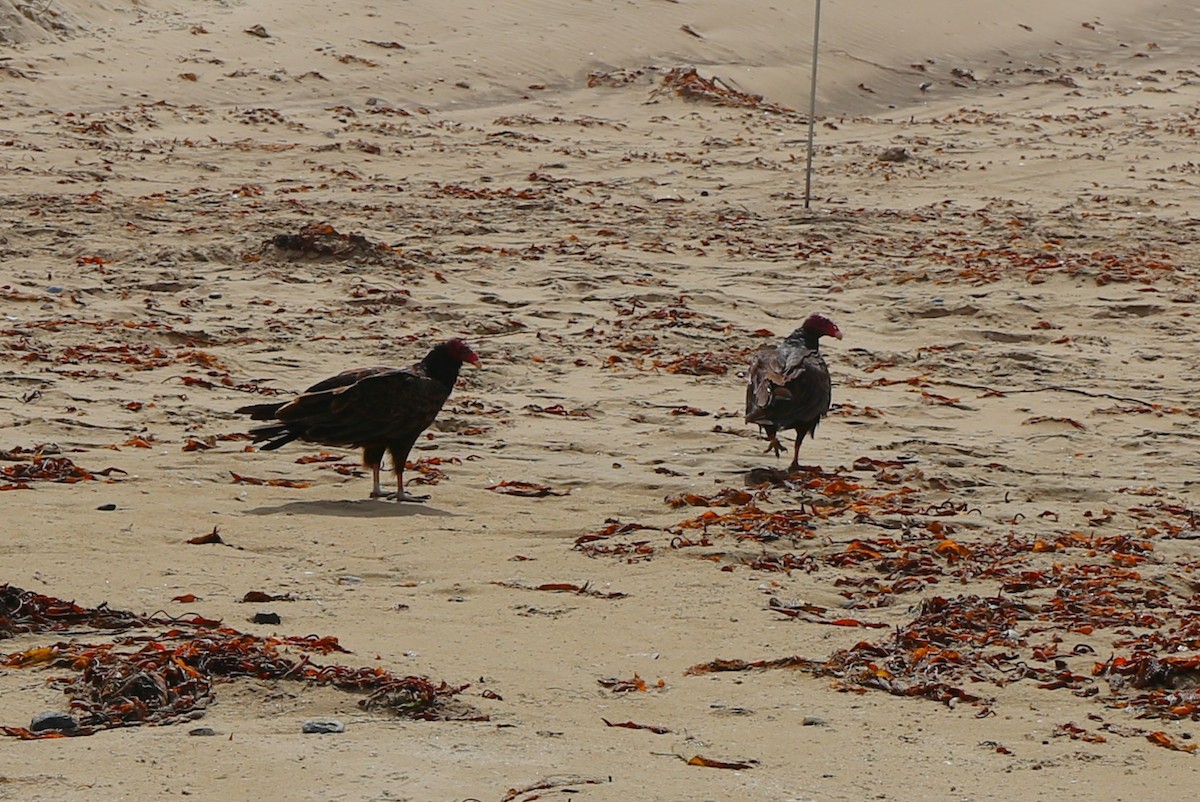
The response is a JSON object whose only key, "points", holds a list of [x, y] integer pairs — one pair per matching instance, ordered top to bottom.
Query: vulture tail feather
{"points": [[259, 411]]}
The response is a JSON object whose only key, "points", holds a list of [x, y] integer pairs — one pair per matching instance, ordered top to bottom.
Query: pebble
{"points": [[107, 507], [266, 618], [53, 720], [814, 721], [322, 727], [202, 731]]}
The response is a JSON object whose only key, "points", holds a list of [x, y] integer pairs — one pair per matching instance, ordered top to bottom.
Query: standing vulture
{"points": [[788, 386], [376, 409]]}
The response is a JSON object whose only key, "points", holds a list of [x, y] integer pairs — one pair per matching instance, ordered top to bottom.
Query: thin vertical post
{"points": [[812, 108]]}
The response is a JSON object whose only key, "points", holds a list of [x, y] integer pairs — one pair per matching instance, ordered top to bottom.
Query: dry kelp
{"points": [[169, 676]]}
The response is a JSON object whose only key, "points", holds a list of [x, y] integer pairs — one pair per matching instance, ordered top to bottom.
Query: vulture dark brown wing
{"points": [[347, 378], [787, 385], [391, 404], [270, 411]]}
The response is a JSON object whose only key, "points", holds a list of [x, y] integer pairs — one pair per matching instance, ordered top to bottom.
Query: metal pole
{"points": [[812, 109]]}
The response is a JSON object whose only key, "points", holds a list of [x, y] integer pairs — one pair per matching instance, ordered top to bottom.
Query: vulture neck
{"points": [[809, 339], [442, 367]]}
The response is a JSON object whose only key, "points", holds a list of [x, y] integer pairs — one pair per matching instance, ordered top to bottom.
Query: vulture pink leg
{"points": [[376, 490], [400, 495]]}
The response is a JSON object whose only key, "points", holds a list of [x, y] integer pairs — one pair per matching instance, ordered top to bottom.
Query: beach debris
{"points": [[613, 78], [689, 84], [321, 240], [703, 363], [559, 410], [688, 410], [1054, 419], [199, 444], [324, 456], [52, 469], [428, 470], [239, 479], [527, 489], [725, 497], [212, 538], [592, 544], [585, 589], [1052, 589], [258, 597], [26, 612], [813, 613], [266, 618], [168, 675], [633, 684], [53, 721], [322, 726], [657, 730], [1164, 740], [707, 762], [564, 782]]}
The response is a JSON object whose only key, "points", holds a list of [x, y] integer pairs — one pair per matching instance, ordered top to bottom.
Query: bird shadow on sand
{"points": [[357, 508]]}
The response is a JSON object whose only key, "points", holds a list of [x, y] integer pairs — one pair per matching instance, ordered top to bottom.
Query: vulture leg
{"points": [[773, 444], [399, 457], [373, 458], [795, 466], [376, 490], [400, 495]]}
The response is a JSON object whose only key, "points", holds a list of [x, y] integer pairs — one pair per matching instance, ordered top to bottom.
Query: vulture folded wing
{"points": [[347, 378], [807, 381], [766, 385], [786, 386], [767, 389], [382, 406], [270, 411]]}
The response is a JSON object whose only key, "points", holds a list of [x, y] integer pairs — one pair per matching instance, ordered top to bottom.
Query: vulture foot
{"points": [[405, 496]]}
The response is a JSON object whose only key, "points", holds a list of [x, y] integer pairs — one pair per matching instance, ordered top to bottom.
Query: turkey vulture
{"points": [[788, 386], [376, 409]]}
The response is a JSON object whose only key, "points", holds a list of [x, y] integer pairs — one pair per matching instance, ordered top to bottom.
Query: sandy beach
{"points": [[981, 584]]}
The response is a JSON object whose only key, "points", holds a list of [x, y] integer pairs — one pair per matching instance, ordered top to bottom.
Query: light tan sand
{"points": [[1040, 239]]}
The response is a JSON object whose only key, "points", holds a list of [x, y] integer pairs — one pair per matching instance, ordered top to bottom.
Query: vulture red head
{"points": [[821, 326], [458, 349]]}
